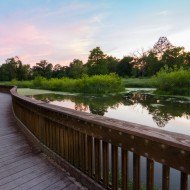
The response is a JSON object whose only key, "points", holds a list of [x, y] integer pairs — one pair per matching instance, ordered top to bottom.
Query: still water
{"points": [[137, 106], [142, 107]]}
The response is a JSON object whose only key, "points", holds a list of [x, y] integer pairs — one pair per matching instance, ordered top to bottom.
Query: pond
{"points": [[137, 106]]}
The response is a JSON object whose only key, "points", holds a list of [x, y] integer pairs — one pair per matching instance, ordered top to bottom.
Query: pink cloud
{"points": [[59, 41], [32, 43]]}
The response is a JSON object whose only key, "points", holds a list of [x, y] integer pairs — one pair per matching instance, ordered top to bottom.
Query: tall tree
{"points": [[162, 45], [175, 56], [97, 63], [112, 64], [152, 64], [125, 67], [43, 68], [14, 69], [76, 69], [59, 71]]}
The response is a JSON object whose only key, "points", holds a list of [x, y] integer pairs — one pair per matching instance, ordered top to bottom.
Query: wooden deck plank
{"points": [[12, 157], [4, 159], [20, 167], [21, 173], [53, 178], [24, 179], [44, 181], [60, 185]]}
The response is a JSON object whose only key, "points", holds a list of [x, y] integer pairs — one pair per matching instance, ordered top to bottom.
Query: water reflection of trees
{"points": [[96, 104], [161, 108]]}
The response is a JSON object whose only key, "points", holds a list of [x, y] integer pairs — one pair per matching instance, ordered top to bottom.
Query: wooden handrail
{"points": [[5, 88], [89, 142]]}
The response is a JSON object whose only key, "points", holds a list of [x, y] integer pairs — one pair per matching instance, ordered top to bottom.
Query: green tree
{"points": [[96, 56], [175, 56], [187, 60], [97, 63], [112, 64], [152, 64], [125, 66], [14, 69], [43, 69], [76, 69], [59, 71]]}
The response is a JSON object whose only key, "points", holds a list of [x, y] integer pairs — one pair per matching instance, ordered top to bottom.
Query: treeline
{"points": [[140, 64]]}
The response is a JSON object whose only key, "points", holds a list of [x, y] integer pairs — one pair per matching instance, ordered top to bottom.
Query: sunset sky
{"points": [[61, 30]]}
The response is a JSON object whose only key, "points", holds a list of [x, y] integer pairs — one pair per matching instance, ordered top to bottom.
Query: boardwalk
{"points": [[20, 167]]}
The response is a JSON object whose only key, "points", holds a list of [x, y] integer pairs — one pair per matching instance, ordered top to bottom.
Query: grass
{"points": [[173, 82], [139, 83], [98, 84]]}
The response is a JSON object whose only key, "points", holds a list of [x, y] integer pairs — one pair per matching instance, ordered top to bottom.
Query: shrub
{"points": [[176, 81], [98, 84]]}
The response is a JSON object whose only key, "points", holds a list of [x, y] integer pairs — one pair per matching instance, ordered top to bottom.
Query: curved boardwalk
{"points": [[20, 167]]}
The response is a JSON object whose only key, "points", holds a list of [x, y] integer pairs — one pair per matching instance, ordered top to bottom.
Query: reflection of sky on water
{"points": [[136, 114], [140, 115]]}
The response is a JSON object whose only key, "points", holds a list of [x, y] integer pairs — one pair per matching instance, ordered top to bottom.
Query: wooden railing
{"points": [[5, 88], [96, 149]]}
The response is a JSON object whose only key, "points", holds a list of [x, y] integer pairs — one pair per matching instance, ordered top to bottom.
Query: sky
{"points": [[62, 30]]}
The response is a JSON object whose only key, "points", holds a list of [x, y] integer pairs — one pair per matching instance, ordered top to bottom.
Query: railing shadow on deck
{"points": [[87, 146]]}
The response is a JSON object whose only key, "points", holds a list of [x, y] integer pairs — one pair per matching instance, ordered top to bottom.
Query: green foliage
{"points": [[97, 62], [112, 64], [141, 64], [153, 65], [125, 66], [14, 69], [43, 69], [76, 69], [173, 81], [139, 83], [98, 84], [101, 84]]}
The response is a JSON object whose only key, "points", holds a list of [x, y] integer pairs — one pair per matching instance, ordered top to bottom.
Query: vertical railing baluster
{"points": [[48, 133], [45, 134], [51, 134], [54, 136], [61, 137], [57, 140], [66, 143], [69, 144], [72, 145], [77, 149], [80, 151], [89, 151], [83, 152], [97, 160], [105, 165], [114, 167], [124, 169], [136, 172], [150, 174], [165, 177], [184, 181]]}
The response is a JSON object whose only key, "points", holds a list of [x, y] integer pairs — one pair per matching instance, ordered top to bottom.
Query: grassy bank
{"points": [[173, 82], [139, 83], [99, 84]]}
